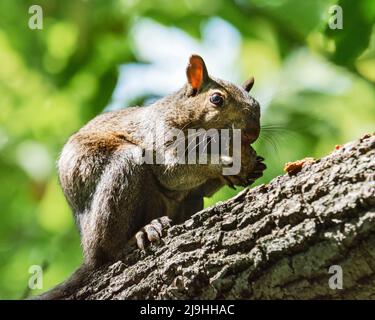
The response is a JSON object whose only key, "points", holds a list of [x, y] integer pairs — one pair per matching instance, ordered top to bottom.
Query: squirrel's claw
{"points": [[258, 170], [229, 183], [152, 232], [140, 239]]}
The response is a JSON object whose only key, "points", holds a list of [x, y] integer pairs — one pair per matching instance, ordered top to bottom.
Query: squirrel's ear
{"points": [[196, 72], [248, 84]]}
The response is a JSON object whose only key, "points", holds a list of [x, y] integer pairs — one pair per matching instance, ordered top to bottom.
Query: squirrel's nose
{"points": [[251, 132]]}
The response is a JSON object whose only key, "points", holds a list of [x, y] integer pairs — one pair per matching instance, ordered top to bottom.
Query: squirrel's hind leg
{"points": [[116, 210]]}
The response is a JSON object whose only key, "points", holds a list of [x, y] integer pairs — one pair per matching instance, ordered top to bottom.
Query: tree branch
{"points": [[274, 241]]}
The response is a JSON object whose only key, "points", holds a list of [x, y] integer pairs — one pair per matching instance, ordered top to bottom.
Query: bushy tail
{"points": [[66, 289]]}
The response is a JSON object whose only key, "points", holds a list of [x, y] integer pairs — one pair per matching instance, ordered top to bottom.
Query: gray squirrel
{"points": [[115, 198]]}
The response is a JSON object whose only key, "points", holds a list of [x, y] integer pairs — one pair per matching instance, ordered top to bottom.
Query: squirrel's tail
{"points": [[68, 287]]}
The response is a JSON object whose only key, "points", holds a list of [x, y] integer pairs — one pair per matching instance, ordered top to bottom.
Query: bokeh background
{"points": [[315, 85]]}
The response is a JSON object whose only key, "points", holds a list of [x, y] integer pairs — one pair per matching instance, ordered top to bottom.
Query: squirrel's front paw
{"points": [[258, 170], [245, 179], [152, 232]]}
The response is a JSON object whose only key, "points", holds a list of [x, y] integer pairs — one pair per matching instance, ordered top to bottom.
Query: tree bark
{"points": [[274, 241]]}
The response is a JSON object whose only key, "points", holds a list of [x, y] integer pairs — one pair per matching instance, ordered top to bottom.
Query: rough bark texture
{"points": [[274, 241]]}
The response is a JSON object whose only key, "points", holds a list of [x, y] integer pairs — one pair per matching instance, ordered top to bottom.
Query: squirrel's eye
{"points": [[217, 99]]}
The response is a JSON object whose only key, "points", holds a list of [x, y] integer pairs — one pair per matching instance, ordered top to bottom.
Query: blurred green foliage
{"points": [[54, 80]]}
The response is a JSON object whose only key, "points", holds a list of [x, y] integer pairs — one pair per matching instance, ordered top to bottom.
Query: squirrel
{"points": [[115, 198]]}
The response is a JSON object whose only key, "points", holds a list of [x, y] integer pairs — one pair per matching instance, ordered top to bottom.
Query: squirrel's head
{"points": [[215, 103]]}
